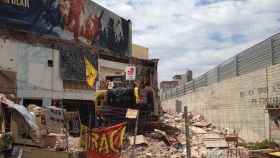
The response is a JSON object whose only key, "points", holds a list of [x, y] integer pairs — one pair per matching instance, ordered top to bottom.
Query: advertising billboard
{"points": [[79, 20]]}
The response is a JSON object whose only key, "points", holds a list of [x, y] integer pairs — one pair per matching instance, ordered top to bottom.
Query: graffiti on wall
{"points": [[79, 20], [259, 95], [269, 99]]}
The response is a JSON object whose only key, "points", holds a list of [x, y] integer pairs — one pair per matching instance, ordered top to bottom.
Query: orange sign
{"points": [[106, 142]]}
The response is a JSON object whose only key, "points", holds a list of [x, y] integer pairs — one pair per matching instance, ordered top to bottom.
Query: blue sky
{"points": [[197, 34]]}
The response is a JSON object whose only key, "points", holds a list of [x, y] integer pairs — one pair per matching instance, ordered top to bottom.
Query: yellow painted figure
{"points": [[91, 73], [136, 92]]}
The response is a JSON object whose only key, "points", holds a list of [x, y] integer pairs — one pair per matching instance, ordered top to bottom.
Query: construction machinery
{"points": [[118, 94]]}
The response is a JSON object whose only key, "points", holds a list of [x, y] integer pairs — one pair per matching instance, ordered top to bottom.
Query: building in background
{"points": [[140, 52], [115, 67], [183, 78], [165, 85], [171, 86]]}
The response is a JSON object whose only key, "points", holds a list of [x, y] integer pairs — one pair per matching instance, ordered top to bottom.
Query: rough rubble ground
{"points": [[156, 147]]}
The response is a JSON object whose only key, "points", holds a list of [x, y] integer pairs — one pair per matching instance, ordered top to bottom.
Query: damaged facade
{"points": [[43, 47], [48, 65], [48, 70]]}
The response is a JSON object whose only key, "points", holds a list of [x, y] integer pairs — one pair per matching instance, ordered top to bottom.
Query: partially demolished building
{"points": [[43, 48]]}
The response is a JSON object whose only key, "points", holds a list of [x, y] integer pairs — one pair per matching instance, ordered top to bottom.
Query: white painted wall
{"points": [[7, 55], [110, 68], [34, 78]]}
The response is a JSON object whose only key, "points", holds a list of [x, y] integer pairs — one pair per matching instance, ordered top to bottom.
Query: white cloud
{"points": [[187, 34]]}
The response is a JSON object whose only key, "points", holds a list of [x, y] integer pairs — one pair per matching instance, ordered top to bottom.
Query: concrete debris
{"points": [[195, 117], [55, 119], [201, 124], [197, 130], [164, 136], [212, 136], [159, 139], [140, 140], [206, 140], [213, 140], [58, 141], [215, 143], [74, 144], [216, 153]]}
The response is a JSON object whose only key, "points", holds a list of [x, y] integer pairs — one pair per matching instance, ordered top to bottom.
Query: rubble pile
{"points": [[50, 132], [206, 140], [74, 144]]}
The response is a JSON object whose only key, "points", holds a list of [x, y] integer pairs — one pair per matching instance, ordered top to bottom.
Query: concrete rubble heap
{"points": [[47, 130], [54, 134], [165, 138], [206, 141]]}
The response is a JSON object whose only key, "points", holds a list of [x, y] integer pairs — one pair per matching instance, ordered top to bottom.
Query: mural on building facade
{"points": [[79, 20], [77, 71]]}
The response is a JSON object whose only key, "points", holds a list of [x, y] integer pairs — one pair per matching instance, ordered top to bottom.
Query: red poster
{"points": [[107, 142]]}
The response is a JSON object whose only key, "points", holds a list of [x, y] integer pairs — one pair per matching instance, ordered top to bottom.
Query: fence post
{"points": [[271, 51], [236, 65], [218, 74], [206, 80], [193, 85], [188, 144]]}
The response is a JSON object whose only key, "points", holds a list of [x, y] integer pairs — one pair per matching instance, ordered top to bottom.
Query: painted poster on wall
{"points": [[79, 20], [72, 63]]}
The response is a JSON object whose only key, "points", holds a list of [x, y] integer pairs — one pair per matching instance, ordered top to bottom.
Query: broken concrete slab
{"points": [[202, 124], [197, 130], [164, 136], [212, 136], [140, 140], [213, 140], [215, 143]]}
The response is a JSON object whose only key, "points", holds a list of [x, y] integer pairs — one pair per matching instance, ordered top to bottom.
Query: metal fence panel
{"points": [[276, 48], [254, 58], [228, 69], [212, 76], [200, 81], [189, 87], [180, 90]]}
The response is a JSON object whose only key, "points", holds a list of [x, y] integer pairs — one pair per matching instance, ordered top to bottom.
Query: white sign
{"points": [[130, 73], [110, 85], [131, 114]]}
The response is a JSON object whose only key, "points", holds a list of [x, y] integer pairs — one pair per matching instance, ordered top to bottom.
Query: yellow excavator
{"points": [[118, 95]]}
